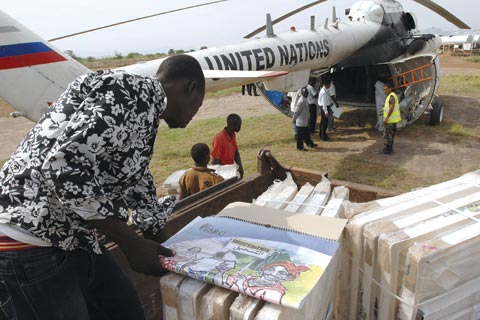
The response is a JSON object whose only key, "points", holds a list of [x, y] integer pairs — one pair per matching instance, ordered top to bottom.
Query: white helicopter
{"points": [[376, 40]]}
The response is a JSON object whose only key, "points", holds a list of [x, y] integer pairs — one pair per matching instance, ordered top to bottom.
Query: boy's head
{"points": [[234, 122], [200, 154]]}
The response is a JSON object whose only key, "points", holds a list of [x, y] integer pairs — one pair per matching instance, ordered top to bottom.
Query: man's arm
{"points": [[334, 99], [238, 160], [150, 214], [142, 254]]}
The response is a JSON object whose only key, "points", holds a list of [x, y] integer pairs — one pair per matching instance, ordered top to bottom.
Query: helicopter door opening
{"points": [[356, 85]]}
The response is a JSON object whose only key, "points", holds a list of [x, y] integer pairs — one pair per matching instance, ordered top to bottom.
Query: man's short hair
{"points": [[182, 66], [327, 81], [388, 84], [233, 118], [199, 153]]}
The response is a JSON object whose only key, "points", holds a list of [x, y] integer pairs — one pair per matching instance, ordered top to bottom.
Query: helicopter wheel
{"points": [[436, 115]]}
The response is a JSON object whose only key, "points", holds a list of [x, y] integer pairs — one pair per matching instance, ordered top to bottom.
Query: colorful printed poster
{"points": [[271, 264]]}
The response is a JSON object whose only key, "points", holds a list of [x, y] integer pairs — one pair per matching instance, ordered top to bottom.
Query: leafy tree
{"points": [[171, 51], [133, 55]]}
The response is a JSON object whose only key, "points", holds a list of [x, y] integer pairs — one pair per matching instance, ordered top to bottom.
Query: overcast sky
{"points": [[222, 23]]}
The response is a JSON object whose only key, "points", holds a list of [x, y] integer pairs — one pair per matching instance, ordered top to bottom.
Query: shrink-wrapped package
{"points": [[273, 195], [300, 198], [318, 198], [334, 207], [386, 209], [373, 230], [392, 249], [436, 266], [169, 285], [189, 298], [216, 304], [245, 307]]}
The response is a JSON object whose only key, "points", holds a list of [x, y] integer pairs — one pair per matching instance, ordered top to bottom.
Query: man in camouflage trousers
{"points": [[391, 116]]}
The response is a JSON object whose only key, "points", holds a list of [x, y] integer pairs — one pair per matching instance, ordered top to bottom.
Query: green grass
{"points": [[473, 58], [465, 85], [223, 93], [458, 130], [274, 132], [172, 150]]}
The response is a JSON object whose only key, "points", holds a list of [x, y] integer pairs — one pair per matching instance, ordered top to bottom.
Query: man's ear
{"points": [[192, 86]]}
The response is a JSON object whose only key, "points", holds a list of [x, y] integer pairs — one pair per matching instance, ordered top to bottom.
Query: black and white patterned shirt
{"points": [[88, 158]]}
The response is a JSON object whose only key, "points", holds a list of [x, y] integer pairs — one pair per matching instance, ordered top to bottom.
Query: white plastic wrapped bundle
{"points": [[226, 171], [171, 183], [272, 195], [417, 196], [300, 198], [318, 198], [282, 199], [405, 204], [334, 206], [373, 230], [392, 253], [437, 266], [169, 285], [189, 298], [460, 303], [216, 304], [245, 307]]}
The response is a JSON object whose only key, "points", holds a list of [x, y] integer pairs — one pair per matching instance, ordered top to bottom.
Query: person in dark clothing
{"points": [[249, 87], [312, 104]]}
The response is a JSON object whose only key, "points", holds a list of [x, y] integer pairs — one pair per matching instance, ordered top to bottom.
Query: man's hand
{"points": [[240, 171], [143, 256]]}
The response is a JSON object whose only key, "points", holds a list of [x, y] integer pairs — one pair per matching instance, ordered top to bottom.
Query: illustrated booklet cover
{"points": [[265, 253]]}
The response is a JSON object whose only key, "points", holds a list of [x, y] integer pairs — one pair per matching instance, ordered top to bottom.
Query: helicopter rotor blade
{"points": [[443, 12], [285, 16], [133, 20]]}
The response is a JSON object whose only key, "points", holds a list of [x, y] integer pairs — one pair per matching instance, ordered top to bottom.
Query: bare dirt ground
{"points": [[429, 157]]}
